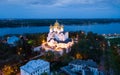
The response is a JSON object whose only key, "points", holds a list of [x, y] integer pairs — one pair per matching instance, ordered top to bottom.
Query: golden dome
{"points": [[56, 24], [59, 27]]}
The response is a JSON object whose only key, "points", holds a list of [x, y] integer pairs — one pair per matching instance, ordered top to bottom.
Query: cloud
{"points": [[40, 2], [59, 2], [65, 3], [74, 3], [58, 8]]}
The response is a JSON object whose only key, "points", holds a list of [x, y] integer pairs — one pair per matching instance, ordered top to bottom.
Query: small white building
{"points": [[12, 40], [37, 49], [35, 67]]}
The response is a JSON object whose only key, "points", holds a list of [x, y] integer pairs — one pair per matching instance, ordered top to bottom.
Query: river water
{"points": [[96, 28]]}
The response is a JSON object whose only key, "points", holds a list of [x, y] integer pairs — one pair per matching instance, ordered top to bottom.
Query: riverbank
{"points": [[46, 22]]}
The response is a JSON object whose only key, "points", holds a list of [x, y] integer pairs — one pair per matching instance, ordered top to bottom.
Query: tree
{"points": [[49, 56], [78, 56], [8, 70], [45, 73]]}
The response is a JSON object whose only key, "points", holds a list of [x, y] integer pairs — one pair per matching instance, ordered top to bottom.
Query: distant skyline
{"points": [[59, 9]]}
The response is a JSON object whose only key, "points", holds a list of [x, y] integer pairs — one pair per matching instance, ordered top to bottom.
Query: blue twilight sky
{"points": [[59, 8]]}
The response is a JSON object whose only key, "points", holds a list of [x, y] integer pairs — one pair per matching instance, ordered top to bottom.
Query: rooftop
{"points": [[12, 40], [90, 63], [33, 65]]}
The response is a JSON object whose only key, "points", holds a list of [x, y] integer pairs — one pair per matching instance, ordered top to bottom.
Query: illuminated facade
{"points": [[57, 39]]}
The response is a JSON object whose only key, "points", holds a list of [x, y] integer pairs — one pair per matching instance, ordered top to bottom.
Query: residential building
{"points": [[35, 67], [81, 67]]}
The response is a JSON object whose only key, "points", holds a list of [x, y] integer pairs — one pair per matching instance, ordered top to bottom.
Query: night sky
{"points": [[59, 8]]}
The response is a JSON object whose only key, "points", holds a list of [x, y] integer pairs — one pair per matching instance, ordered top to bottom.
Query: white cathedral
{"points": [[57, 39]]}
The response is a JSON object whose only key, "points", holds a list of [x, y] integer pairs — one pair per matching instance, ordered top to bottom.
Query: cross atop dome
{"points": [[56, 24]]}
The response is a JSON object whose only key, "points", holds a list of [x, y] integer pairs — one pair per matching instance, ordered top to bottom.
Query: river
{"points": [[96, 28]]}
